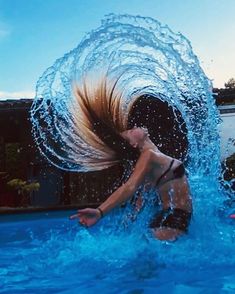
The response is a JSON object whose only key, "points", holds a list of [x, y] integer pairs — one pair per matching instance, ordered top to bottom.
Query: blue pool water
{"points": [[47, 253]]}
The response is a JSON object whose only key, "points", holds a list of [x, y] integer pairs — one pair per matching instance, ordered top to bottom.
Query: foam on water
{"points": [[159, 62]]}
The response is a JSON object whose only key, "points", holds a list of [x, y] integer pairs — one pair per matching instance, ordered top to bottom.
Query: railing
{"points": [[227, 109]]}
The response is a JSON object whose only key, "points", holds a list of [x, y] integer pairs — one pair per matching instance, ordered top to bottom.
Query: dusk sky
{"points": [[34, 33]]}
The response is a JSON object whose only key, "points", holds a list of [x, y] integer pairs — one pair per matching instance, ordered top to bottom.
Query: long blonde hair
{"points": [[99, 120]]}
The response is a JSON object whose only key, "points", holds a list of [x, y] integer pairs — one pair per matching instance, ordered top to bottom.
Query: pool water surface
{"points": [[48, 253]]}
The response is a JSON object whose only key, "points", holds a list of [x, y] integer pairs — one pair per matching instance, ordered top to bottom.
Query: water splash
{"points": [[155, 61], [158, 62], [57, 254]]}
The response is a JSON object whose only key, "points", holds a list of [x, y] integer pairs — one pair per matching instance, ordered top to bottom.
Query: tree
{"points": [[230, 84], [24, 189]]}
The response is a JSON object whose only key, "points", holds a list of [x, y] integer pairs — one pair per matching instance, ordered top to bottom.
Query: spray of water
{"points": [[155, 61], [161, 63]]}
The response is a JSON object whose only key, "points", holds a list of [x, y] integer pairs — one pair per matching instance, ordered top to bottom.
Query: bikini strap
{"points": [[163, 175]]}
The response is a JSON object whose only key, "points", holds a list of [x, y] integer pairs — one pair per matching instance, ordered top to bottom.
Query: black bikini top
{"points": [[178, 172]]}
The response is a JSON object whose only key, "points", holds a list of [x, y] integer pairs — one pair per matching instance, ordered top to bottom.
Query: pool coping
{"points": [[19, 210]]}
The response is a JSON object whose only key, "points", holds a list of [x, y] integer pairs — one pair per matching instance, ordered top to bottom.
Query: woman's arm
{"points": [[124, 192], [90, 216]]}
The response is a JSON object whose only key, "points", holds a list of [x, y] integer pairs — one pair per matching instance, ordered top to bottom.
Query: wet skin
{"points": [[156, 165]]}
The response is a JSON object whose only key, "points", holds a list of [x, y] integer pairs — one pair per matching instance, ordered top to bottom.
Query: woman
{"points": [[104, 124]]}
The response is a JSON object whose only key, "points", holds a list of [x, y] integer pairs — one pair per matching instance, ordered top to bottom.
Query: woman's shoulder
{"points": [[147, 153], [148, 157], [159, 157]]}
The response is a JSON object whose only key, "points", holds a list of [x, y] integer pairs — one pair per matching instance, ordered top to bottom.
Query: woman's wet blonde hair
{"points": [[100, 119]]}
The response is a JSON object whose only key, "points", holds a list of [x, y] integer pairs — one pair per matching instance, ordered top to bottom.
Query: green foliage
{"points": [[230, 84], [231, 158], [229, 166], [22, 186], [31, 187]]}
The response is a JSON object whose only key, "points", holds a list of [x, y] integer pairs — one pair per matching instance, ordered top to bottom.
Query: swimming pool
{"points": [[47, 253]]}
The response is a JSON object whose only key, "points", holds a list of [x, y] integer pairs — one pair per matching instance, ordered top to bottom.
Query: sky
{"points": [[34, 33]]}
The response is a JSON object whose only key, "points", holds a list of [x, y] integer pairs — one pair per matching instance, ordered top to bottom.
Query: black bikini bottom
{"points": [[175, 218]]}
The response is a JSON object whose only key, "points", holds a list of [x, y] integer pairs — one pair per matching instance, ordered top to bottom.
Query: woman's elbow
{"points": [[130, 189]]}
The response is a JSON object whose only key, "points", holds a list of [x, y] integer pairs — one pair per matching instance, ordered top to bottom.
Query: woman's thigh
{"points": [[175, 192]]}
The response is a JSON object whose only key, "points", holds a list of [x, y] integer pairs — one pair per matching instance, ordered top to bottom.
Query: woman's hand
{"points": [[87, 217]]}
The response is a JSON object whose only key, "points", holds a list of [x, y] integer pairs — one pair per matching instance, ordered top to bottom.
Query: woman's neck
{"points": [[148, 144]]}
